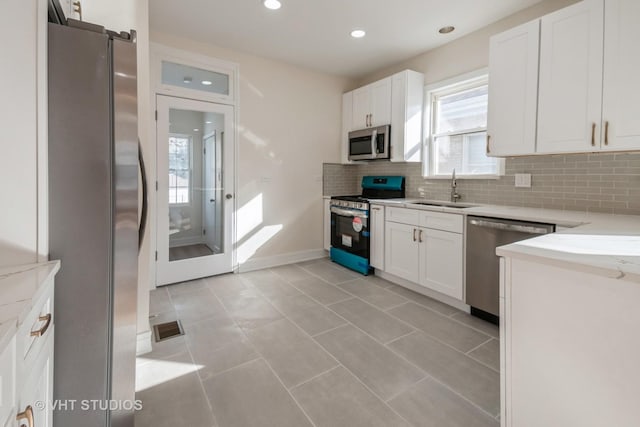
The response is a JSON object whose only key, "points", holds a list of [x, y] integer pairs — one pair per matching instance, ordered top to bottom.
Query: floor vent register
{"points": [[165, 331]]}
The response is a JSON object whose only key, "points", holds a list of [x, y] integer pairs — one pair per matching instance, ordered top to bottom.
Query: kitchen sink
{"points": [[443, 204]]}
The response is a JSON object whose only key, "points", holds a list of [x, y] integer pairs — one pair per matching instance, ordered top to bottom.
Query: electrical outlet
{"points": [[523, 180]]}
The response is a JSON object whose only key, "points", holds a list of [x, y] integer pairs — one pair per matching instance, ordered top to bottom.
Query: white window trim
{"points": [[453, 84], [190, 138]]}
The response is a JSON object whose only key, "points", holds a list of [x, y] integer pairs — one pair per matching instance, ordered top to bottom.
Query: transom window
{"points": [[457, 131], [180, 147]]}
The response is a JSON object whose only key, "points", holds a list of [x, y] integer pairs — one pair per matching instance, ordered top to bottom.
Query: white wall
{"points": [[468, 53], [289, 124], [23, 147]]}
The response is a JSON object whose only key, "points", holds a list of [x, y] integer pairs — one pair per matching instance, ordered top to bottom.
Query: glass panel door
{"points": [[195, 189]]}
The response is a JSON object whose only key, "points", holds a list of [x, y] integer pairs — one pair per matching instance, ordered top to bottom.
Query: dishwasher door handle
{"points": [[529, 229]]}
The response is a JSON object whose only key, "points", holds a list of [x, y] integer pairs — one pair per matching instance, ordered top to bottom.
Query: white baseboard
{"points": [[282, 259], [424, 291], [143, 344]]}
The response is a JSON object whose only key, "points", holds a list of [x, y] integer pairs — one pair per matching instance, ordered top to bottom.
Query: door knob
{"points": [[228, 196], [212, 200]]}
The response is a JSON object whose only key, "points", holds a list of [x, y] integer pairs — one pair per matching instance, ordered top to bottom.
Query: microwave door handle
{"points": [[374, 137]]}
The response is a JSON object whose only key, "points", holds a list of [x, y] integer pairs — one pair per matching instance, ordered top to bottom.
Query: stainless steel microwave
{"points": [[370, 144]]}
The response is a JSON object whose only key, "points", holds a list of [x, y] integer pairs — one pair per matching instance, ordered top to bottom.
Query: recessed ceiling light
{"points": [[272, 4], [446, 30], [358, 34], [187, 80], [206, 82], [208, 122], [196, 130]]}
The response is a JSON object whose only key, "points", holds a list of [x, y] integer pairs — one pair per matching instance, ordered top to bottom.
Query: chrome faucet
{"points": [[454, 185]]}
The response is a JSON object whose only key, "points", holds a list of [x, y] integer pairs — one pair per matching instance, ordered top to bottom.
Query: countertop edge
{"points": [[564, 260]]}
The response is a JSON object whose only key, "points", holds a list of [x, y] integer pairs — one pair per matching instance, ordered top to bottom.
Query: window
{"points": [[457, 131], [179, 169]]}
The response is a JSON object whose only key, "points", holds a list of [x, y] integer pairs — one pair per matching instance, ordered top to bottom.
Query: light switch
{"points": [[523, 180]]}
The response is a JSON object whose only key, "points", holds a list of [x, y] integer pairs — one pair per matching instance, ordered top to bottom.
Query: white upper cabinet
{"points": [[589, 65], [570, 88], [513, 91], [407, 98], [397, 101], [372, 105], [361, 108], [620, 128]]}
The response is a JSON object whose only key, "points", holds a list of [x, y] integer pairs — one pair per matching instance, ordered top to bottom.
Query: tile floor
{"points": [[314, 344]]}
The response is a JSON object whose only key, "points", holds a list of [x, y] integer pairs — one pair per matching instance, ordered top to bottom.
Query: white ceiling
{"points": [[315, 34]]}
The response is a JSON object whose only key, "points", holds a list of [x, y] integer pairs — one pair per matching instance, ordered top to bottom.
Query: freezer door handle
{"points": [[145, 201]]}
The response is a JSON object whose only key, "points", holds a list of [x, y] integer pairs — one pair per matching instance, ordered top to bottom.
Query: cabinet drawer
{"points": [[403, 215], [441, 221], [37, 326], [7, 381]]}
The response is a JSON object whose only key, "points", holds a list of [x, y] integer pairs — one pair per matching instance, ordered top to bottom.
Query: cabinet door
{"points": [[513, 91], [570, 92], [407, 95], [380, 102], [620, 106], [361, 108], [347, 123], [326, 213], [376, 240], [402, 251], [441, 263], [39, 387]]}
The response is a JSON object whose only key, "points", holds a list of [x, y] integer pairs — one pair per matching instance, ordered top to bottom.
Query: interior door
{"points": [[195, 200]]}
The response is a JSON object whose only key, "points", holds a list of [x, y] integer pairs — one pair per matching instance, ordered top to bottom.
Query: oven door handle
{"points": [[349, 212]]}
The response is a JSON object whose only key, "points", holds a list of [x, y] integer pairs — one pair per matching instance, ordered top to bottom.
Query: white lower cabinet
{"points": [[326, 214], [376, 239], [402, 251], [427, 256], [441, 266], [26, 362], [38, 389]]}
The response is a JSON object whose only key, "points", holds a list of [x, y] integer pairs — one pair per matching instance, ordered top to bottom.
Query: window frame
{"points": [[447, 87], [190, 169]]}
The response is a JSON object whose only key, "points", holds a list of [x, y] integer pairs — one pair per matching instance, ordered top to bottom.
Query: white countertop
{"points": [[603, 244], [20, 287]]}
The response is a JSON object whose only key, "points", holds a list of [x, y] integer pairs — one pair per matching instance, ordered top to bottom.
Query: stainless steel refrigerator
{"points": [[93, 221]]}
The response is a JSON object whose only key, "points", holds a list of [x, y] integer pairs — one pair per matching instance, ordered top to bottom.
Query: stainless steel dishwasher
{"points": [[484, 235]]}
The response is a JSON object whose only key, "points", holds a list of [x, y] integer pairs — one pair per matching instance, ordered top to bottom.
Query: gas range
{"points": [[351, 202], [350, 232]]}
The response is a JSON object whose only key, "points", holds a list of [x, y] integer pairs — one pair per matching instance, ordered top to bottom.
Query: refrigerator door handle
{"points": [[145, 202]]}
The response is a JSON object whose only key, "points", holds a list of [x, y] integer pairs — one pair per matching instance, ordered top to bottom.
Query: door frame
{"points": [[159, 52], [168, 272]]}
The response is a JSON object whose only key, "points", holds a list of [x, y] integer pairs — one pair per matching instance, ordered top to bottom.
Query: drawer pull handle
{"points": [[606, 133], [593, 134], [420, 236], [47, 321], [27, 414]]}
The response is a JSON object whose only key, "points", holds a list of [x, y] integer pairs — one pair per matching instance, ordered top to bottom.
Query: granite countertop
{"points": [[603, 244], [20, 287]]}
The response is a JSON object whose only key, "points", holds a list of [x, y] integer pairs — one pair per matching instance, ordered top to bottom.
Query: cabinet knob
{"points": [[27, 414]]}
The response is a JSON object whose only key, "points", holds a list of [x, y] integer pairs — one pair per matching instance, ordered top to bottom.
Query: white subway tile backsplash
{"points": [[597, 182]]}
